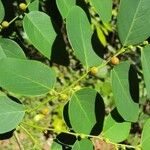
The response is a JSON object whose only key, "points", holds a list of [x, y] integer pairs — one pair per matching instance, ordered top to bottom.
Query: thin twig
{"points": [[18, 141]]}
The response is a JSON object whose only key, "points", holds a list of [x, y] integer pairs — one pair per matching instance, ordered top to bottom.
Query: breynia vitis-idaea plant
{"points": [[76, 72]]}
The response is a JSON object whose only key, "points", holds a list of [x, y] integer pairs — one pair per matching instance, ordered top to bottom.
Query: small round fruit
{"points": [[22, 6], [5, 24], [115, 60], [94, 70], [63, 97], [45, 111], [38, 117]]}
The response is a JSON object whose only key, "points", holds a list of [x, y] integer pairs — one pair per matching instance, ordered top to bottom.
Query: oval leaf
{"points": [[65, 6], [103, 8], [2, 11], [133, 21], [40, 31], [79, 34], [11, 49], [146, 67], [26, 77], [121, 92], [82, 110], [11, 114], [112, 128], [145, 140], [84, 144]]}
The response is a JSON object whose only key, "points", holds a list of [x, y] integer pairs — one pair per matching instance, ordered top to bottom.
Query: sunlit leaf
{"points": [[133, 21], [40, 32], [26, 77]]}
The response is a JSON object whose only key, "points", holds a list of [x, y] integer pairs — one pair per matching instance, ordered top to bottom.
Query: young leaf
{"points": [[65, 6], [103, 8], [2, 11], [133, 21], [40, 31], [79, 34], [101, 36], [11, 49], [146, 67], [26, 77], [121, 92], [82, 111], [11, 114], [112, 128], [145, 139], [84, 144]]}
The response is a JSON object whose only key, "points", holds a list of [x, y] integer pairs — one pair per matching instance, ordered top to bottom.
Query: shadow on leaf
{"points": [[59, 54], [134, 84], [100, 114], [6, 135]]}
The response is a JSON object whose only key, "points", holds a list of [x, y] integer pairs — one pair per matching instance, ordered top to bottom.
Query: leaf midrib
{"points": [[134, 18], [30, 19], [84, 47], [32, 81], [128, 97], [78, 101]]}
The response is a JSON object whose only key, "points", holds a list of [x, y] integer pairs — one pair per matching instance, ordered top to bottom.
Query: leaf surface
{"points": [[65, 6], [103, 8], [2, 11], [133, 21], [40, 32], [79, 34], [10, 48], [146, 67], [26, 77], [121, 92], [82, 110], [11, 114], [112, 128], [145, 139], [83, 144]]}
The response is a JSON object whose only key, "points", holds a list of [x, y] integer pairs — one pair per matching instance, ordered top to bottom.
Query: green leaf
{"points": [[34, 6], [65, 6], [103, 8], [2, 11], [133, 21], [40, 31], [79, 34], [101, 36], [11, 49], [2, 54], [146, 67], [26, 77], [121, 92], [82, 110], [11, 114], [112, 128], [145, 139], [84, 144], [56, 146]]}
